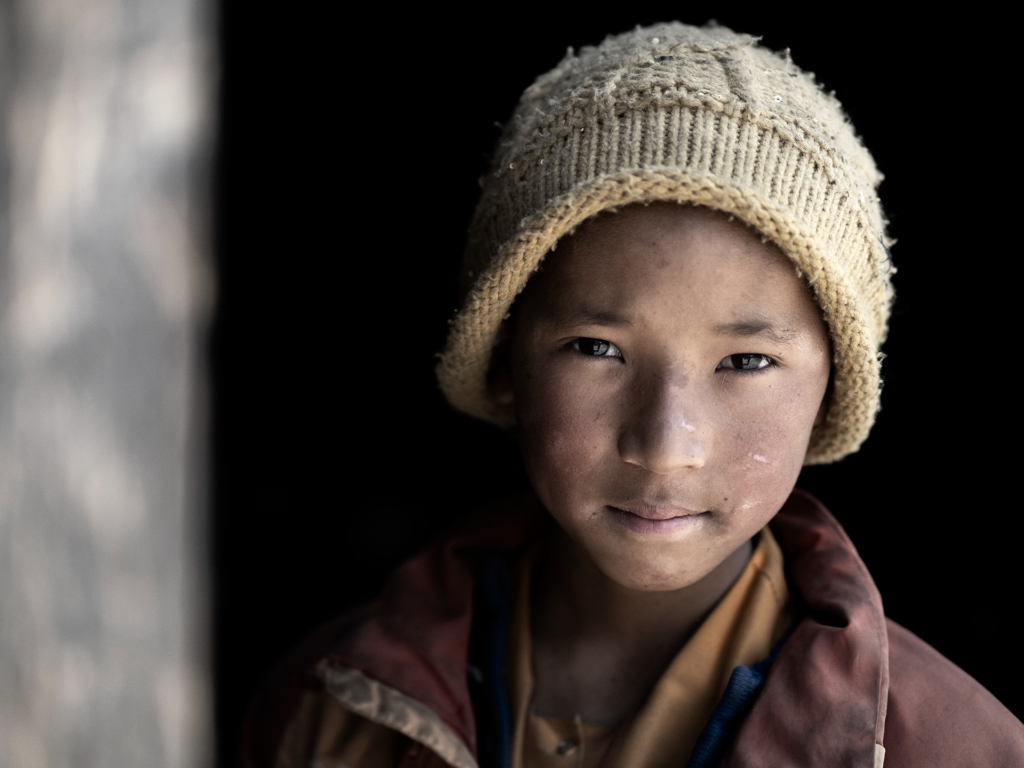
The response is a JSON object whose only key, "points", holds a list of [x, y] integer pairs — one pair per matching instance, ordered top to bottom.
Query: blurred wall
{"points": [[105, 292]]}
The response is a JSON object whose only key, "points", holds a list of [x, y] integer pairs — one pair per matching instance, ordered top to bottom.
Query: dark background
{"points": [[348, 157]]}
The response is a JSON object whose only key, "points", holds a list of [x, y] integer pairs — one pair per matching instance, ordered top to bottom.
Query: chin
{"points": [[646, 576], [660, 584]]}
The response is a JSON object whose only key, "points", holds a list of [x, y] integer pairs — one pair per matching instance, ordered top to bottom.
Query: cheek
{"points": [[562, 433], [765, 449]]}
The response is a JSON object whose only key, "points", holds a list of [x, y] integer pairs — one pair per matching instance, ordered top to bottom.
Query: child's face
{"points": [[666, 368]]}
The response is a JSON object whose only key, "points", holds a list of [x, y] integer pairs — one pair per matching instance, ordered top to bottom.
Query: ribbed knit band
{"points": [[698, 116]]}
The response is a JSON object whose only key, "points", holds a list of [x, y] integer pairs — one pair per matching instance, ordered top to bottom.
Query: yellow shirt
{"points": [[741, 630]]}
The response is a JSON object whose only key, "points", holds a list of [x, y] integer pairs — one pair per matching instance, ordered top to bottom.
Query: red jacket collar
{"points": [[415, 638], [824, 700]]}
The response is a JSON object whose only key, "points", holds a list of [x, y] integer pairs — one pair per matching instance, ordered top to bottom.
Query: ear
{"points": [[499, 378]]}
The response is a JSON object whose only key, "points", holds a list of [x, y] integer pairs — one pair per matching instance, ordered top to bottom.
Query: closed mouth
{"points": [[650, 511], [649, 519]]}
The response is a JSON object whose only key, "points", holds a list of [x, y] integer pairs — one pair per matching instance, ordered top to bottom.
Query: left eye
{"points": [[596, 348], [746, 362]]}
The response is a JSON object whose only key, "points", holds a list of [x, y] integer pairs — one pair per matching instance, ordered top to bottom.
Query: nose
{"points": [[663, 432]]}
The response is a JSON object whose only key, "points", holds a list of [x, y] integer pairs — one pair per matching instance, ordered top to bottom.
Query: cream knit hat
{"points": [[692, 115]]}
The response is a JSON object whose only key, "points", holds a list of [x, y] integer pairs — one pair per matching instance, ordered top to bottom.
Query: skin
{"points": [[655, 451]]}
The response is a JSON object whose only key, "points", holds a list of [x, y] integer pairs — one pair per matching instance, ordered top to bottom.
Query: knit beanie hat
{"points": [[698, 116]]}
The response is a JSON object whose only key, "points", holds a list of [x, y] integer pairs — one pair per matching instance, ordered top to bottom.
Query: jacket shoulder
{"points": [[273, 707], [938, 715], [299, 718], [322, 732]]}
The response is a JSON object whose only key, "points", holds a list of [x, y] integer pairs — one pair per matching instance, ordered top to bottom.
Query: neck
{"points": [[590, 628]]}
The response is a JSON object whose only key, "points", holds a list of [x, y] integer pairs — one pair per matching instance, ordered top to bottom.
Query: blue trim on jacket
{"points": [[492, 606], [744, 685]]}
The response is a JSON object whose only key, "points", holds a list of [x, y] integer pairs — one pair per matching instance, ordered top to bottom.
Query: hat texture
{"points": [[699, 116]]}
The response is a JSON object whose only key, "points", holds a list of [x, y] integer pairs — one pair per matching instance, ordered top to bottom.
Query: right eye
{"points": [[596, 348]]}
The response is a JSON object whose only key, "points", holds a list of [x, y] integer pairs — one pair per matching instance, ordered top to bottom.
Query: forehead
{"points": [[669, 258]]}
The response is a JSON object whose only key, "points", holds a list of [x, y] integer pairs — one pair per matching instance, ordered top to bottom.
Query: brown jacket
{"points": [[847, 688]]}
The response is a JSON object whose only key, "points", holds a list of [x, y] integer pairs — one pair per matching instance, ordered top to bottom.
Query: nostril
{"points": [[663, 454]]}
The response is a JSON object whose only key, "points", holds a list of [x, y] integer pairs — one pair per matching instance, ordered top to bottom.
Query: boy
{"points": [[676, 288]]}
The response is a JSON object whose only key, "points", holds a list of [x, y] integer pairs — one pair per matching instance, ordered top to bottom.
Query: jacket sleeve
{"points": [[938, 715]]}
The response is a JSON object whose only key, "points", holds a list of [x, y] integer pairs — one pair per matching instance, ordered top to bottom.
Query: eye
{"points": [[596, 348], [746, 362]]}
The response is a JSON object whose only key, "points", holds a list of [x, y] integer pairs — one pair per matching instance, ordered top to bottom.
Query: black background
{"points": [[347, 165]]}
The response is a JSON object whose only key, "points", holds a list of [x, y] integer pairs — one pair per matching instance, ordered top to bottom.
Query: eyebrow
{"points": [[588, 316], [749, 327]]}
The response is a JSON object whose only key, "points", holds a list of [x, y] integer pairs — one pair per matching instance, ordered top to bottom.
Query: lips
{"points": [[650, 511], [647, 518]]}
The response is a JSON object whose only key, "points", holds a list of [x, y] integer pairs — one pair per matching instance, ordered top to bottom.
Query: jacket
{"points": [[845, 686]]}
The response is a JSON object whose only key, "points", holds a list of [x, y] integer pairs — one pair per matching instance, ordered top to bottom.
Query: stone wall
{"points": [[106, 286]]}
